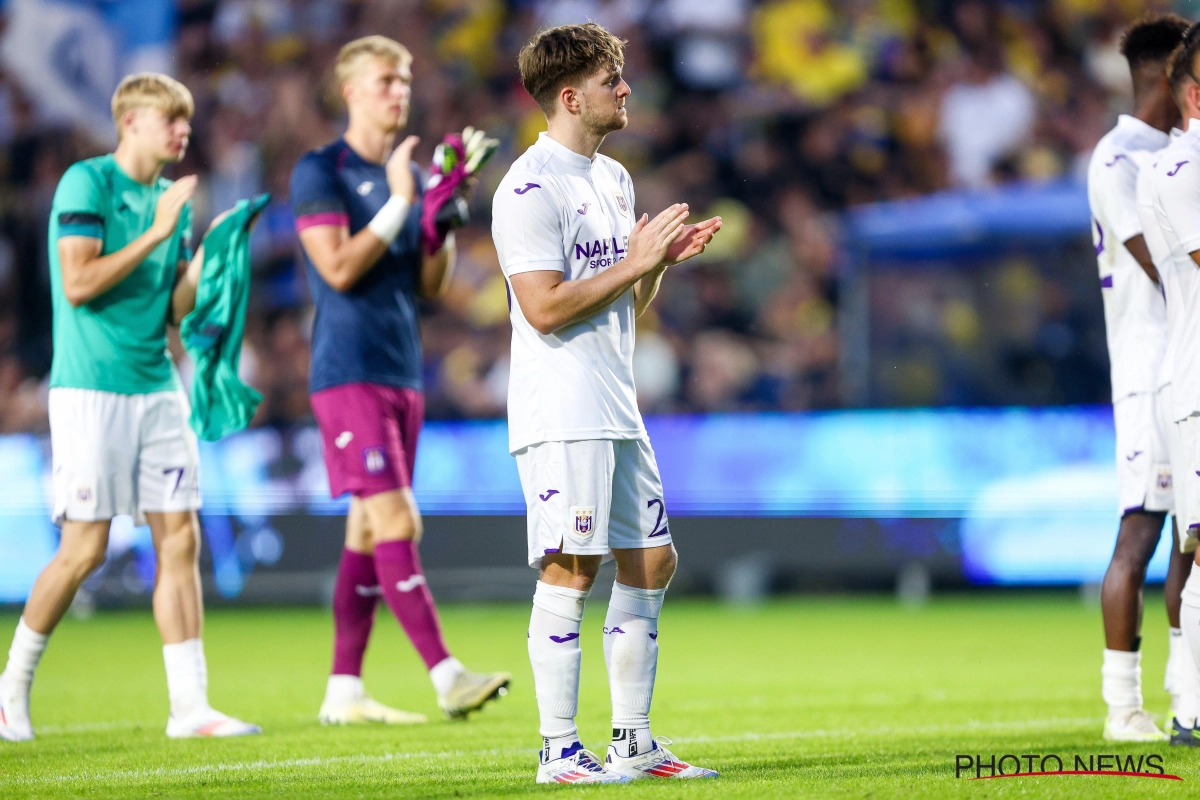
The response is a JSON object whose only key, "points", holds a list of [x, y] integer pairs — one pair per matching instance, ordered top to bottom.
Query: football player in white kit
{"points": [[1176, 202], [580, 268], [1136, 323], [1182, 680]]}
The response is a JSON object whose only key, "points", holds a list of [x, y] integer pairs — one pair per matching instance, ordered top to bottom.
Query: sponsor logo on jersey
{"points": [[1117, 158], [1175, 171], [527, 187], [364, 188], [583, 209], [1100, 244], [601, 252], [343, 439], [1133, 455], [374, 460], [549, 493], [584, 520]]}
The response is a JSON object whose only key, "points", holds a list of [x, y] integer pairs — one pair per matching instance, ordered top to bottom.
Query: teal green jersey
{"points": [[117, 341]]}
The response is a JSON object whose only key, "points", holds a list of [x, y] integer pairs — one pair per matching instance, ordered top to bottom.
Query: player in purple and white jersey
{"points": [[581, 267], [1136, 322]]}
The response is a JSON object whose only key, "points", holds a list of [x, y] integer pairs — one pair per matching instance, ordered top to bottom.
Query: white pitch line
{"points": [[114, 725], [884, 730], [362, 758], [253, 766]]}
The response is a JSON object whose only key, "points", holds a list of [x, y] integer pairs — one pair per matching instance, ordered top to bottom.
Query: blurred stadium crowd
{"points": [[775, 115]]}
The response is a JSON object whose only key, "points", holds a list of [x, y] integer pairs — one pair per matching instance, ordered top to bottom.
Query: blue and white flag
{"points": [[69, 55]]}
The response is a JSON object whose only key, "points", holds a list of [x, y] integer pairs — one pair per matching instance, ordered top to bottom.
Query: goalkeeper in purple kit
{"points": [[374, 241]]}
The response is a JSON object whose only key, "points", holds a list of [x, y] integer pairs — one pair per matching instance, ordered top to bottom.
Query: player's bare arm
{"points": [[691, 242], [1136, 245], [342, 259], [437, 269], [86, 274], [551, 303]]}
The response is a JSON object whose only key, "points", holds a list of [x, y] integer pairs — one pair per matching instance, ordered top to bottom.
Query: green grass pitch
{"points": [[821, 697]]}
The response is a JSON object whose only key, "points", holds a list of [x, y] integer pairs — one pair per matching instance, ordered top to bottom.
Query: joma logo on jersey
{"points": [[600, 254]]}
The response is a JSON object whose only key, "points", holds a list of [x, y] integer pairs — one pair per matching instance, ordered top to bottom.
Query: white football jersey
{"points": [[1176, 201], [559, 210], [1160, 254], [1135, 314]]}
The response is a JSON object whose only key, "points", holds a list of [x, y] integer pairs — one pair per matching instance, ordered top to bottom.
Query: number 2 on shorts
{"points": [[659, 527]]}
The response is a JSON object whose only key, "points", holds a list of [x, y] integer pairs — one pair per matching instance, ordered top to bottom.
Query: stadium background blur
{"points": [[778, 115], [906, 230]]}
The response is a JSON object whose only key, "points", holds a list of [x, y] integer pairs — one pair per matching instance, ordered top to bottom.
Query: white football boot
{"points": [[471, 690], [366, 709], [14, 717], [208, 722], [1135, 725], [658, 762], [576, 765]]}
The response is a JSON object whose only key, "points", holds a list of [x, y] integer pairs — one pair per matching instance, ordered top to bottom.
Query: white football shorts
{"points": [[122, 454], [1143, 457], [1179, 482], [590, 496], [1188, 496]]}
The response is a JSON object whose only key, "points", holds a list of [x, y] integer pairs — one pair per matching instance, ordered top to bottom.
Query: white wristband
{"points": [[386, 224]]}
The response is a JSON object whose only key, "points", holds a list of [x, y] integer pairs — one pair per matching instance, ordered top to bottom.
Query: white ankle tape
{"points": [[560, 601], [640, 602]]}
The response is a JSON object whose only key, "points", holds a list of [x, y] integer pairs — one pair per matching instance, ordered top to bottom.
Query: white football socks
{"points": [[1189, 623], [555, 655], [631, 655], [23, 657], [444, 674], [187, 677], [1181, 680], [1122, 681], [343, 690]]}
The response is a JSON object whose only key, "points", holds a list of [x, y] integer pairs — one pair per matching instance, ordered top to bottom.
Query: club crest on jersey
{"points": [[624, 206], [374, 460], [1164, 478], [584, 520]]}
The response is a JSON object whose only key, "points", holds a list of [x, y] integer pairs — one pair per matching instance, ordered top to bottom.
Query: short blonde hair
{"points": [[352, 54], [152, 90]]}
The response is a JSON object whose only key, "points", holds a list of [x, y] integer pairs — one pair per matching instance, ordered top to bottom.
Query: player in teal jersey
{"points": [[120, 272]]}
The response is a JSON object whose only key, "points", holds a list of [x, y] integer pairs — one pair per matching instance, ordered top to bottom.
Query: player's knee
{"points": [[392, 517], [402, 526], [180, 547], [84, 559], [670, 560], [581, 581]]}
